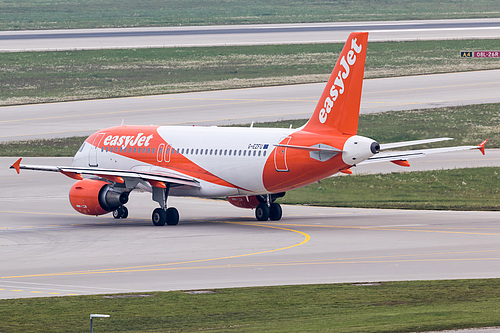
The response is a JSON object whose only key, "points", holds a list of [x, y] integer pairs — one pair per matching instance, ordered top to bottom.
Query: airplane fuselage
{"points": [[226, 161]]}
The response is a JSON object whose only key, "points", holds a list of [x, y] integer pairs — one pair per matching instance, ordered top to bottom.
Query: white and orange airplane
{"points": [[252, 167]]}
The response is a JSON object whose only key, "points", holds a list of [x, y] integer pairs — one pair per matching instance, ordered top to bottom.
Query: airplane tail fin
{"points": [[338, 107]]}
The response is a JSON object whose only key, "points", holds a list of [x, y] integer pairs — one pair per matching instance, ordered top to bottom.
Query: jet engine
{"points": [[95, 197]]}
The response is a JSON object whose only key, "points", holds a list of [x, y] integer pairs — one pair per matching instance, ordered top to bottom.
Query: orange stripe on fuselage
{"points": [[133, 142], [302, 169]]}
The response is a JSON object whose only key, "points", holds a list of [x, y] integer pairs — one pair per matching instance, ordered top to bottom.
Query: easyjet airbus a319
{"points": [[252, 167]]}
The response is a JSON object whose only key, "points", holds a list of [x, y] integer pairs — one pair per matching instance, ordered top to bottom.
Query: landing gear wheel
{"points": [[120, 212], [124, 212], [262, 212], [275, 212], [117, 213], [172, 216], [159, 217]]}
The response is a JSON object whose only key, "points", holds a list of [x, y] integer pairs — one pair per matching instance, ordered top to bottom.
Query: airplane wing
{"points": [[401, 157], [114, 175]]}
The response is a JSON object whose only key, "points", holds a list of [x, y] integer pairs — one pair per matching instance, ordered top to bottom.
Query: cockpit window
{"points": [[81, 148]]}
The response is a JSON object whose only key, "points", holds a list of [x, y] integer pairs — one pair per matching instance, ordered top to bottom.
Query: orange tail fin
{"points": [[338, 107]]}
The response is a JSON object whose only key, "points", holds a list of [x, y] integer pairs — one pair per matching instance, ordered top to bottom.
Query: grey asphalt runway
{"points": [[37, 40], [242, 106], [48, 249]]}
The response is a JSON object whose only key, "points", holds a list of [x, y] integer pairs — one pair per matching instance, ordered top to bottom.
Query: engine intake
{"points": [[95, 197]]}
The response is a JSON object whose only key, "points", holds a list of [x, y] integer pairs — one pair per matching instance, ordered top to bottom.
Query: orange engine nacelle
{"points": [[95, 197], [244, 201]]}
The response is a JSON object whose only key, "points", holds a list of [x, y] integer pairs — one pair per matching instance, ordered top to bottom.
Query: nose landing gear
{"points": [[120, 213]]}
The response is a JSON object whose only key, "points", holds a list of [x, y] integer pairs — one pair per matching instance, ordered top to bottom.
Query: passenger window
{"points": [[149, 149], [152, 151], [211, 151], [229, 152], [254, 152], [259, 152], [265, 152]]}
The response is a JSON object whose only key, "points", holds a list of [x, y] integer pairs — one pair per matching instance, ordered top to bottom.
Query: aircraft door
{"points": [[95, 149], [168, 151], [159, 154], [280, 155]]}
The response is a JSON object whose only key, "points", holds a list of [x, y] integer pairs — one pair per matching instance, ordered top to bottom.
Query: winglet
{"points": [[481, 146], [17, 165]]}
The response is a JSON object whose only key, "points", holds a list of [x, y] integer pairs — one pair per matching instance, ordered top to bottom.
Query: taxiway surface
{"points": [[48, 249]]}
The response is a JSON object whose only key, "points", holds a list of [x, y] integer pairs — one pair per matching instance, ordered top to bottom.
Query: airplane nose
{"points": [[375, 147]]}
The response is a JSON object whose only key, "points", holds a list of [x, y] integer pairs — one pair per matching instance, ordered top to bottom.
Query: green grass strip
{"points": [[63, 14], [36, 77], [59, 147], [457, 189], [386, 307]]}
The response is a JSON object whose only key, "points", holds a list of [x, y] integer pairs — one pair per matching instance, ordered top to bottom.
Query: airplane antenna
{"points": [[123, 122], [251, 125], [291, 126]]}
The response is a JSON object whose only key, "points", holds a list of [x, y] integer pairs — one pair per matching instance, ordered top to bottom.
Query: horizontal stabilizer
{"points": [[393, 145], [404, 155]]}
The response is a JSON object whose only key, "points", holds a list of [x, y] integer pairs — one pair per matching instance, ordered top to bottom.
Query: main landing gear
{"points": [[267, 209], [164, 215], [169, 216]]}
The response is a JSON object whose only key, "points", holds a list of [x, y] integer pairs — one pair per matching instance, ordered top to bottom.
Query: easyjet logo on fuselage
{"points": [[338, 84], [128, 140]]}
